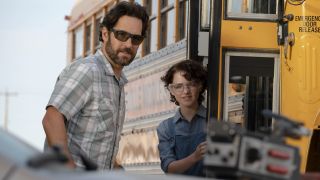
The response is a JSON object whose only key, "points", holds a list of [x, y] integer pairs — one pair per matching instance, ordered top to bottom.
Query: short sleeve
{"points": [[72, 89]]}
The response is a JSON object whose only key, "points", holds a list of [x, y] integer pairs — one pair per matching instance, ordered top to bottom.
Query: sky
{"points": [[33, 44]]}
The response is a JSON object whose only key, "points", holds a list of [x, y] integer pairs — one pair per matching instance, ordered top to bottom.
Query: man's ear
{"points": [[105, 34]]}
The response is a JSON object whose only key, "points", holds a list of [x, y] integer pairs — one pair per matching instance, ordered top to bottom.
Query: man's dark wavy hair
{"points": [[125, 8], [193, 71]]}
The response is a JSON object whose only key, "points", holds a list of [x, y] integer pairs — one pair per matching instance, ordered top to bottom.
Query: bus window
{"points": [[251, 9], [205, 14], [183, 18], [153, 26], [170, 27], [167, 30], [97, 32], [153, 36], [88, 39], [78, 42], [139, 51], [249, 87]]}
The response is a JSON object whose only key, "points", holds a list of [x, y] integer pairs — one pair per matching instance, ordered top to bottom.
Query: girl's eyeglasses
{"points": [[180, 87]]}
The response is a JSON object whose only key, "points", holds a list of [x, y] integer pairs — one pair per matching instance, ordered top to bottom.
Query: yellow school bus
{"points": [[264, 54]]}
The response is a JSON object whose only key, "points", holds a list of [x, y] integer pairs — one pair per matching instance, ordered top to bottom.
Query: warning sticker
{"points": [[308, 23]]}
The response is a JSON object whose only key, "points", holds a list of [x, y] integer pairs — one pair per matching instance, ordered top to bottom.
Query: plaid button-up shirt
{"points": [[91, 98]]}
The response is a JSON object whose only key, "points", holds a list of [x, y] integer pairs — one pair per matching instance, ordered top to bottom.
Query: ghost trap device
{"points": [[234, 153]]}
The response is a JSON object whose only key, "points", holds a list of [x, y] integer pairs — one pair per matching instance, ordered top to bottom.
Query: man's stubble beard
{"points": [[113, 55]]}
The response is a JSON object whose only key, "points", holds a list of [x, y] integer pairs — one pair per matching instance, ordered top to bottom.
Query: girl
{"points": [[182, 137]]}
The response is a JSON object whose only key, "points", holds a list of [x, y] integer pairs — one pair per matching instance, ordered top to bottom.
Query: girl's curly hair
{"points": [[193, 71]]}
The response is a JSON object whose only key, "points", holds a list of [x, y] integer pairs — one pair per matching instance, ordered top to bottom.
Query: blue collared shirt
{"points": [[182, 127]]}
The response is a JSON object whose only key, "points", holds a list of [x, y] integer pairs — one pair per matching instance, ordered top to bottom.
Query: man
{"points": [[86, 110]]}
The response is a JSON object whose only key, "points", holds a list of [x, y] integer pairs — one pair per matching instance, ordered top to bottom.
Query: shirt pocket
{"points": [[106, 110]]}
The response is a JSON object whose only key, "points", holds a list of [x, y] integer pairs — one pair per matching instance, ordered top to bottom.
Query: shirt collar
{"points": [[108, 68], [201, 112]]}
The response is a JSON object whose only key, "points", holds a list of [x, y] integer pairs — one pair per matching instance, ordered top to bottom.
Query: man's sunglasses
{"points": [[124, 36]]}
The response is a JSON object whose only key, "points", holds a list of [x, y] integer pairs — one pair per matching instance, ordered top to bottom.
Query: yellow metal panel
{"points": [[245, 34], [300, 92]]}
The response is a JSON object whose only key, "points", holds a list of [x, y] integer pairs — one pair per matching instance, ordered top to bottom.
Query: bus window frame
{"points": [[249, 16], [227, 53]]}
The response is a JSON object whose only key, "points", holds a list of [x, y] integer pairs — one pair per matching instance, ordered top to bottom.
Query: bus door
{"points": [[243, 61], [250, 85]]}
